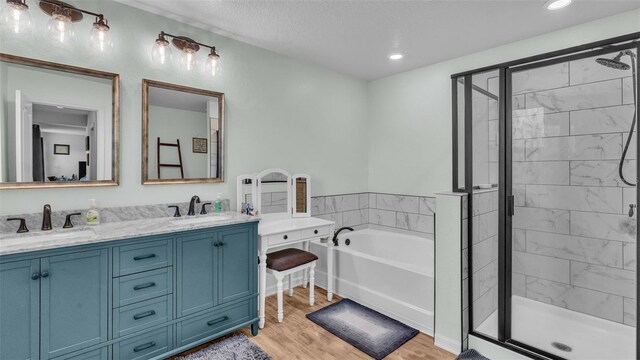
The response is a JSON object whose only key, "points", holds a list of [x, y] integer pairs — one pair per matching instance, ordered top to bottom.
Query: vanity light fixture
{"points": [[556, 4], [16, 18], [161, 53]]}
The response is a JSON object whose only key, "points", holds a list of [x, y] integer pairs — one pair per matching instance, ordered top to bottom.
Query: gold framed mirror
{"points": [[59, 125], [182, 134]]}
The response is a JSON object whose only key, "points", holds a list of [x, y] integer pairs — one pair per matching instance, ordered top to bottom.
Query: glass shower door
{"points": [[573, 230]]}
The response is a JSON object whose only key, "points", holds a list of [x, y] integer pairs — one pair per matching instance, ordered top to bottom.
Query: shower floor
{"points": [[539, 325]]}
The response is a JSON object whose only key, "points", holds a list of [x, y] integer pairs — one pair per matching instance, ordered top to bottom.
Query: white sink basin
{"points": [[199, 220], [48, 236]]}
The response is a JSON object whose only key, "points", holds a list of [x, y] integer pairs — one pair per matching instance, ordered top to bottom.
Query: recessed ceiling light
{"points": [[556, 4], [396, 56], [60, 107]]}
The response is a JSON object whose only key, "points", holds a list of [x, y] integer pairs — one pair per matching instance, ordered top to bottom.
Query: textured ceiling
{"points": [[355, 37]]}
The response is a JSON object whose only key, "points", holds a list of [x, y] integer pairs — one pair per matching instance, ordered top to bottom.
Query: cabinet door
{"points": [[238, 263], [196, 274], [73, 302], [19, 310]]}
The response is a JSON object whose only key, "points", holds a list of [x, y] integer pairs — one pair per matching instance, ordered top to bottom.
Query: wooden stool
{"points": [[286, 262]]}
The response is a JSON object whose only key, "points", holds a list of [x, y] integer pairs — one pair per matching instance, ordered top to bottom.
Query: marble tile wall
{"points": [[400, 213], [574, 244], [484, 256]]}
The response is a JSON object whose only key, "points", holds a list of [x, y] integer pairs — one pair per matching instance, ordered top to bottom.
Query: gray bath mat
{"points": [[369, 331], [237, 347], [470, 354]]}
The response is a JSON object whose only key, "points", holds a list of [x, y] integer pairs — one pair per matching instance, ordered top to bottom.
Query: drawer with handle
{"points": [[315, 232], [285, 237], [135, 258], [138, 287], [135, 317], [214, 322], [145, 346], [96, 354]]}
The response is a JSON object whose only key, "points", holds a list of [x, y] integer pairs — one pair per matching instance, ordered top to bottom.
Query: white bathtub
{"points": [[389, 272]]}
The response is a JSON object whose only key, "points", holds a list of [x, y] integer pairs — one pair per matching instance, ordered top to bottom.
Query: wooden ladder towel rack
{"points": [[178, 165]]}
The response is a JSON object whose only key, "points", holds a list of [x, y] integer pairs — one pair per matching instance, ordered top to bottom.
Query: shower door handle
{"points": [[511, 210]]}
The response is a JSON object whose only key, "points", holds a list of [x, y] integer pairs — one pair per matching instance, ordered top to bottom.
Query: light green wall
{"points": [[279, 112], [410, 113]]}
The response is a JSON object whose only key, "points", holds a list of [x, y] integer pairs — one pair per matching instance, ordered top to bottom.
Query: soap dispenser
{"points": [[217, 207], [93, 214]]}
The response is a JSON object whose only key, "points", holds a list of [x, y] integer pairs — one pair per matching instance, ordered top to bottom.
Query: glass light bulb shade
{"points": [[16, 19], [60, 29], [101, 39], [161, 53], [188, 60], [212, 65]]}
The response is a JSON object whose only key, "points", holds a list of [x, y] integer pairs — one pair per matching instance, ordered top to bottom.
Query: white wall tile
{"points": [[543, 78], [627, 90], [586, 96], [602, 120], [534, 123], [585, 147], [518, 150], [541, 172], [601, 172], [519, 194], [584, 198], [372, 200], [363, 201], [484, 201], [339, 203], [398, 203], [427, 205], [317, 206], [335, 217], [355, 217], [382, 217], [555, 221], [415, 222], [484, 226], [603, 226], [519, 240], [594, 251], [484, 253], [630, 260], [543, 267], [484, 279], [605, 279], [518, 284], [586, 301], [484, 306], [630, 311]]}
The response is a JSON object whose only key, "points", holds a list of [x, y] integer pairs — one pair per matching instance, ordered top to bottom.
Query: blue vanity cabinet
{"points": [[237, 254], [197, 280], [73, 301], [53, 305], [20, 310]]}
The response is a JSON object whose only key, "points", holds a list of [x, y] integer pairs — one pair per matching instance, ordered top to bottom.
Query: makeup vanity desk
{"points": [[283, 202], [282, 232]]}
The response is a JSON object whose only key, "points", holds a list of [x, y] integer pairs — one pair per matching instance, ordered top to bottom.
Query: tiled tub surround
{"points": [[400, 213], [574, 244]]}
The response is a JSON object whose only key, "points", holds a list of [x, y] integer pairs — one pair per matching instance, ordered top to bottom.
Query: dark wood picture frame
{"points": [[199, 145], [61, 149]]}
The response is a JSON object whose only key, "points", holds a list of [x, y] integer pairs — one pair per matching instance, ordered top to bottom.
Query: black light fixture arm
{"points": [[63, 6], [165, 34]]}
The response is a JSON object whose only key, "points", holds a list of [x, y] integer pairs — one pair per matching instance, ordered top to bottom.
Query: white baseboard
{"points": [[448, 344]]}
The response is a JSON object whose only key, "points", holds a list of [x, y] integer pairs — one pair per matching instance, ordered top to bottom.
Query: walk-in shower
{"points": [[550, 265]]}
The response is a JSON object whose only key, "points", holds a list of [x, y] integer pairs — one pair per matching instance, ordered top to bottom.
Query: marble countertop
{"points": [[84, 234]]}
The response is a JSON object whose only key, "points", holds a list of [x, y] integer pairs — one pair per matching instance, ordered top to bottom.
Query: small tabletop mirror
{"points": [[59, 125], [183, 134], [301, 190], [274, 192]]}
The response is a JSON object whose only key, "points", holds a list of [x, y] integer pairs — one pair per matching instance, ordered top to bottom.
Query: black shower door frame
{"points": [[505, 186]]}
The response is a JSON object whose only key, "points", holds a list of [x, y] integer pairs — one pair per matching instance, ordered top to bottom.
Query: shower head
{"points": [[614, 63]]}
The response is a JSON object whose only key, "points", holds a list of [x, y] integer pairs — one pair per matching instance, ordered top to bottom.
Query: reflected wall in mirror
{"points": [[59, 125], [183, 134], [274, 190], [301, 195]]}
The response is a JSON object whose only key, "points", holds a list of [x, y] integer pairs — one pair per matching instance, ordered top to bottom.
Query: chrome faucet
{"points": [[195, 199], [46, 217], [335, 235]]}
